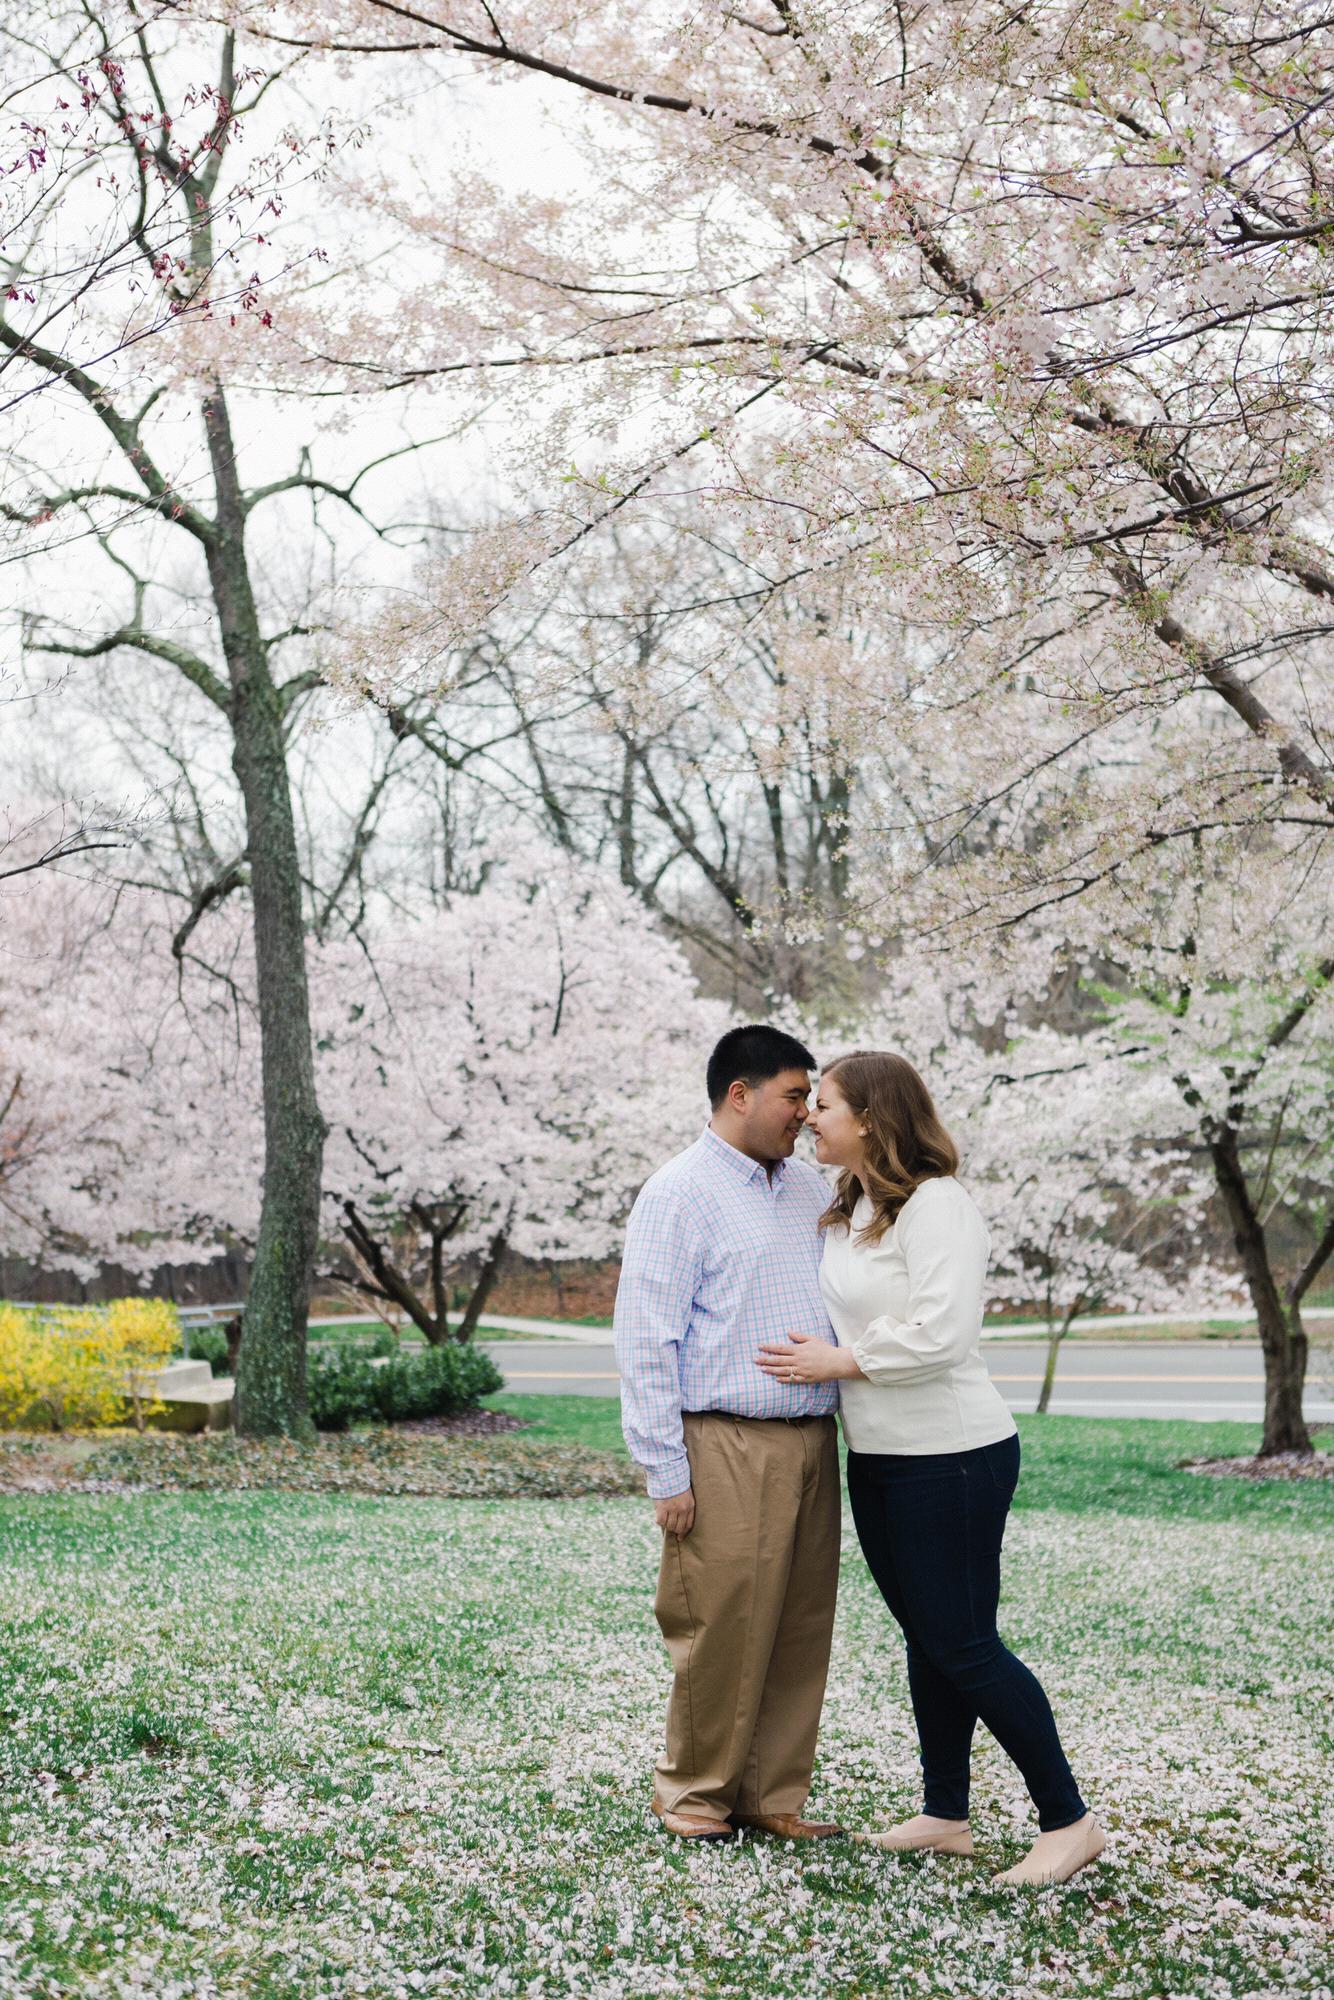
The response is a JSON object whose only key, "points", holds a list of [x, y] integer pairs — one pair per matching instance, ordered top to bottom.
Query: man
{"points": [[721, 1252]]}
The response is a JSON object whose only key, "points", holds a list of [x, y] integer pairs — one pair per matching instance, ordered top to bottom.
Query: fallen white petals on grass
{"points": [[306, 1746]]}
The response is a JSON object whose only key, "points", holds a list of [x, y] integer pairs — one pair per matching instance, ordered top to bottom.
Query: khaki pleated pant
{"points": [[745, 1603]]}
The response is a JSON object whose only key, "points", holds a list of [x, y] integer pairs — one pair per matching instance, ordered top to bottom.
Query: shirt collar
{"points": [[739, 1162]]}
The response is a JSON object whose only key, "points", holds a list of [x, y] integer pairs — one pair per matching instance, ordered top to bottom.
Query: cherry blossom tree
{"points": [[1097, 409], [1067, 453], [1214, 975], [1200, 1047], [1250, 1059], [498, 1073], [501, 1074], [50, 1130], [82, 1160], [1091, 1190]]}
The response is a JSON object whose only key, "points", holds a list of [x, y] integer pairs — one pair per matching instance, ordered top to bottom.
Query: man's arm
{"points": [[659, 1276]]}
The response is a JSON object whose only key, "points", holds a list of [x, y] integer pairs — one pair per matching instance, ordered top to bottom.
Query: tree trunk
{"points": [[835, 812], [625, 823], [383, 1279], [481, 1291], [233, 1331], [1055, 1335], [1282, 1335], [1285, 1355], [1049, 1373], [271, 1376]]}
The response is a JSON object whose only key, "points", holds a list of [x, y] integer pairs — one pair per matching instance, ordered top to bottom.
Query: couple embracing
{"points": [[751, 1307]]}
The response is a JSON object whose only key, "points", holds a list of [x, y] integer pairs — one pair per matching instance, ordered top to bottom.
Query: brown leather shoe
{"points": [[686, 1826], [789, 1826]]}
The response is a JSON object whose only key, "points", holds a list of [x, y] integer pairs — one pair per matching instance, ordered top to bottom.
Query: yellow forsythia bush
{"points": [[64, 1367]]}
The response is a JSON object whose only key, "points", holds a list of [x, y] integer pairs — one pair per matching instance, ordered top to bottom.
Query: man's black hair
{"points": [[752, 1055]]}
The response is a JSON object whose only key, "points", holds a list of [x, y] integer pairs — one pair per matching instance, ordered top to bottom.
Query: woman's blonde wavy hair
{"points": [[906, 1143]]}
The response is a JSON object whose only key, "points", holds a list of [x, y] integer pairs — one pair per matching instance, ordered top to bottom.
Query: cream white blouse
{"points": [[910, 1308]]}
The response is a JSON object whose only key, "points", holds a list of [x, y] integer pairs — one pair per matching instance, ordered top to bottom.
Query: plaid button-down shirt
{"points": [[718, 1259]]}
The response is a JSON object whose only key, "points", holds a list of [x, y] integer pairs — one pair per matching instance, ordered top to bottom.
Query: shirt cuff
{"points": [[666, 1481]]}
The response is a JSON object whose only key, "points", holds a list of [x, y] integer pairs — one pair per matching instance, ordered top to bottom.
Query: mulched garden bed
{"points": [[468, 1423], [439, 1459], [1283, 1465]]}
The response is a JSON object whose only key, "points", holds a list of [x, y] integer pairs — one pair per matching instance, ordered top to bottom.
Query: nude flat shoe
{"points": [[909, 1838], [1055, 1857]]}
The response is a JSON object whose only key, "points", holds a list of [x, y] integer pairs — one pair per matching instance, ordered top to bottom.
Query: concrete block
{"points": [[178, 1378], [194, 1399], [204, 1409]]}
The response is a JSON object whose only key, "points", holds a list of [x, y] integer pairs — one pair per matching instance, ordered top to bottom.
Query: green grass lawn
{"points": [[1078, 1465], [294, 1746]]}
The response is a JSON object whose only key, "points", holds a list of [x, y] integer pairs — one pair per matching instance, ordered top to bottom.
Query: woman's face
{"points": [[839, 1138]]}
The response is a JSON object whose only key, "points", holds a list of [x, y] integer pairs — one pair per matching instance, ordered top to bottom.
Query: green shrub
{"points": [[208, 1343], [338, 1386], [350, 1389]]}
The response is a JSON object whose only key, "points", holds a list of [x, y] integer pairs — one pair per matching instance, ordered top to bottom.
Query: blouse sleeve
{"points": [[945, 1247]]}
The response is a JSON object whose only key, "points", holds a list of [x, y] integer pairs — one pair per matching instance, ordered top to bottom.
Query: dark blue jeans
{"points": [[930, 1528]]}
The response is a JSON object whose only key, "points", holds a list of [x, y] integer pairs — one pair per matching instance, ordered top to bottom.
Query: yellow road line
{"points": [[556, 1375], [1071, 1380]]}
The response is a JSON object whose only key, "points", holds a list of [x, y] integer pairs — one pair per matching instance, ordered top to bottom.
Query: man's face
{"points": [[775, 1112]]}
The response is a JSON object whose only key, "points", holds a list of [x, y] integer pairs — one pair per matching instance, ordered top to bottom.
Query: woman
{"points": [[933, 1454]]}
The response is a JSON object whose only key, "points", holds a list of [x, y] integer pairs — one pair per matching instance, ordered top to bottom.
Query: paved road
{"points": [[1225, 1320], [1094, 1378]]}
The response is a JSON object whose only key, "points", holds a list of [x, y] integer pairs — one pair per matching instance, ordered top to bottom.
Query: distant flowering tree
{"points": [[1212, 977], [1252, 1062], [1199, 1067], [499, 1073], [62, 1124], [1080, 1164], [1090, 1187]]}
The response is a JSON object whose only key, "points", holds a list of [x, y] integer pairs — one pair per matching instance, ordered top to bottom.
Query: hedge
{"points": [[348, 1389]]}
